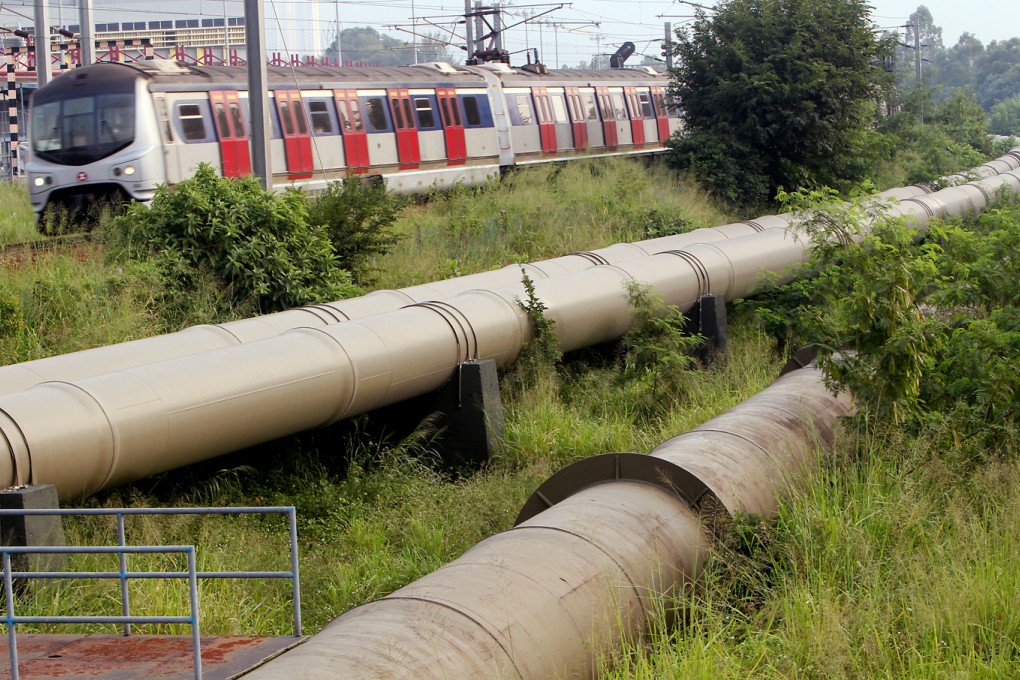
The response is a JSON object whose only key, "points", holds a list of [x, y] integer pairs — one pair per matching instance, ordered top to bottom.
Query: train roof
{"points": [[164, 75]]}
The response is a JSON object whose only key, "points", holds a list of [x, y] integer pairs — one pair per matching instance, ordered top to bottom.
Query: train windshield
{"points": [[82, 130]]}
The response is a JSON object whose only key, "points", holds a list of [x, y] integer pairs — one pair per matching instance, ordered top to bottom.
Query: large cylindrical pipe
{"points": [[204, 338], [154, 417], [568, 585]]}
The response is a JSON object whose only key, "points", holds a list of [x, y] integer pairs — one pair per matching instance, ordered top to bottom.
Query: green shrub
{"points": [[358, 218], [258, 245]]}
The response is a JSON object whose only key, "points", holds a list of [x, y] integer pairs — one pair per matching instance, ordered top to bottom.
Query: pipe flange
{"points": [[805, 356], [613, 467]]}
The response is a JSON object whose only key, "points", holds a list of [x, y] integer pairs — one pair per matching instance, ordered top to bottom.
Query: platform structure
{"points": [[127, 655], [116, 657]]}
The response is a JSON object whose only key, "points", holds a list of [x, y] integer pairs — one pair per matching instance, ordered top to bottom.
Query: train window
{"points": [[645, 99], [588, 103], [660, 103], [619, 107], [559, 108], [423, 109], [444, 111], [472, 113], [398, 114], [524, 114], [299, 115], [376, 115], [408, 116], [238, 118], [322, 121], [288, 122], [192, 123], [222, 124], [359, 126]]}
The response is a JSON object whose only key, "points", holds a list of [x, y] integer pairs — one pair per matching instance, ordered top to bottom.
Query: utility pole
{"points": [[469, 29], [86, 32], [667, 45], [917, 50], [43, 52], [258, 90]]}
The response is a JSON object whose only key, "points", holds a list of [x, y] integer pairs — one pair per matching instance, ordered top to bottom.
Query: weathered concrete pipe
{"points": [[204, 338], [125, 425], [572, 582]]}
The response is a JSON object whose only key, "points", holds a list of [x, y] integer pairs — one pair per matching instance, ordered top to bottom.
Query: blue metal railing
{"points": [[122, 550], [11, 619]]}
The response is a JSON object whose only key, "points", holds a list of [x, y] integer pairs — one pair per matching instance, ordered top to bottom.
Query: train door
{"points": [[618, 104], [348, 110], [590, 110], [661, 115], [561, 119], [637, 119], [546, 124], [578, 124], [453, 126], [230, 128], [609, 129], [297, 140], [408, 151]]}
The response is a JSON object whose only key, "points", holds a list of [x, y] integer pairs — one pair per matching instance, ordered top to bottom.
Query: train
{"points": [[127, 128]]}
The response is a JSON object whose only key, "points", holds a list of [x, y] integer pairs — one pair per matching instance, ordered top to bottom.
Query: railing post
{"points": [[294, 578], [125, 604], [12, 634], [196, 638]]}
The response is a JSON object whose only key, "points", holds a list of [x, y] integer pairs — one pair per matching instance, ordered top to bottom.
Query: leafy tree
{"points": [[368, 45], [777, 93], [1005, 117]]}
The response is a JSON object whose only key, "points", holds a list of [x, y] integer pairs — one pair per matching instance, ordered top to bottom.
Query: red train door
{"points": [[661, 115], [608, 117], [637, 119], [578, 122], [453, 126], [546, 126], [353, 127], [296, 138], [408, 150], [234, 151]]}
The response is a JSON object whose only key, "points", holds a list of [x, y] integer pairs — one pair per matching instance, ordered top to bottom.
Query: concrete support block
{"points": [[708, 318], [471, 421], [32, 530]]}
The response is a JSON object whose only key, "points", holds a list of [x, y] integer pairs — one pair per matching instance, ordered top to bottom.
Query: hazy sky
{"points": [[568, 35]]}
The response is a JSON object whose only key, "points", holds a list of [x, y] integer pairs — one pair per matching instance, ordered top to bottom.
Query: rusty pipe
{"points": [[593, 551]]}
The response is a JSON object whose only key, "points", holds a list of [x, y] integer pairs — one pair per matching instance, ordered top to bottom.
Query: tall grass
{"points": [[540, 213], [17, 221]]}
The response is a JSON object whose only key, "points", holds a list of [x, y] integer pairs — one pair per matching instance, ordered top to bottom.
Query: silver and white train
{"points": [[127, 128]]}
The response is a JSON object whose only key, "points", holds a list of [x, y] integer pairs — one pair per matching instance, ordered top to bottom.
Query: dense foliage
{"points": [[991, 73], [780, 93], [358, 218], [258, 245], [925, 334]]}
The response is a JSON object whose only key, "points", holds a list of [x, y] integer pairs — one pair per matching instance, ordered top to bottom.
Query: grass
{"points": [[541, 213], [17, 220], [893, 561]]}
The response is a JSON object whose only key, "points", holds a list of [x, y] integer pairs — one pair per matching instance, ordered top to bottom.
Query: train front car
{"points": [[93, 135]]}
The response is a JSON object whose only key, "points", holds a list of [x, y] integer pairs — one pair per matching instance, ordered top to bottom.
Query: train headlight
{"points": [[129, 170], [39, 181]]}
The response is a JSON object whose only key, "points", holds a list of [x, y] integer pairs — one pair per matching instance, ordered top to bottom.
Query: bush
{"points": [[1005, 117], [358, 218], [259, 246], [924, 334]]}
